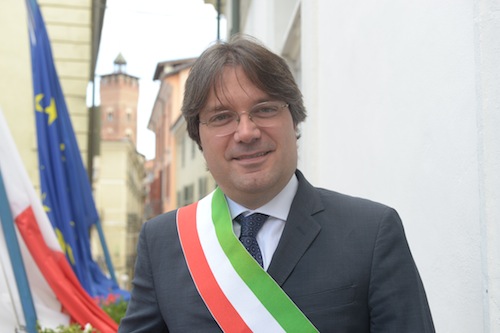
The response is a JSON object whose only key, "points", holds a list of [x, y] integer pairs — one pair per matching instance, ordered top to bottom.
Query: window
{"points": [[129, 114], [193, 149], [183, 151], [202, 187], [188, 194]]}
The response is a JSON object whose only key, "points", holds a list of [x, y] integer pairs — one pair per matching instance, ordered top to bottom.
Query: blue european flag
{"points": [[66, 192]]}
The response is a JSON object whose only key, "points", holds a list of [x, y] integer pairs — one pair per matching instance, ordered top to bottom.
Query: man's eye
{"points": [[265, 111], [221, 118]]}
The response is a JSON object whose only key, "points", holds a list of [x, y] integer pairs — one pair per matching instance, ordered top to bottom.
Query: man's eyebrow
{"points": [[222, 107], [216, 108]]}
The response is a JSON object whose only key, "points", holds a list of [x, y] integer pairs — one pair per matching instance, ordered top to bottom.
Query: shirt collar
{"points": [[278, 207]]}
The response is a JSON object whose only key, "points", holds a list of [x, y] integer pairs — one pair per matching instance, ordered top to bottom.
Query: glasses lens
{"points": [[264, 114], [222, 119], [223, 122]]}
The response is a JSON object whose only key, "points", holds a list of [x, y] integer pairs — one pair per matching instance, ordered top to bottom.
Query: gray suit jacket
{"points": [[344, 261]]}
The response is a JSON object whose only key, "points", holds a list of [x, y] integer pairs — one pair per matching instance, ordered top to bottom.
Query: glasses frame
{"points": [[281, 106]]}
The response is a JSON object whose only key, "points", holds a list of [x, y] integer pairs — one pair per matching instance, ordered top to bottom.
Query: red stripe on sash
{"points": [[222, 310]]}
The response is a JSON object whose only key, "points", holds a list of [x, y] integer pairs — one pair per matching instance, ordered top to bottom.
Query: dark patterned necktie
{"points": [[250, 226]]}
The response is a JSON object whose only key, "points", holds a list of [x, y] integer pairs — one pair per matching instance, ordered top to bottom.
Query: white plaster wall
{"points": [[260, 23], [488, 80], [404, 108], [395, 120]]}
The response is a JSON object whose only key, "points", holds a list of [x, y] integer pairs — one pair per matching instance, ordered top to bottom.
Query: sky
{"points": [[147, 32]]}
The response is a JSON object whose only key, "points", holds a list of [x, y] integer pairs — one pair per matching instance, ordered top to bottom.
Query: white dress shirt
{"points": [[277, 209]]}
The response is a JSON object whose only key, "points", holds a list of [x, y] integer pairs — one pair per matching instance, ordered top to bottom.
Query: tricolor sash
{"points": [[240, 295]]}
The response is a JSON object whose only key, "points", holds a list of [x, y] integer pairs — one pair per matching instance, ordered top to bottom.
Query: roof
{"points": [[120, 60], [167, 68]]}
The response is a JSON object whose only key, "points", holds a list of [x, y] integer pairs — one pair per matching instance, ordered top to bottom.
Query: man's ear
{"points": [[297, 131]]}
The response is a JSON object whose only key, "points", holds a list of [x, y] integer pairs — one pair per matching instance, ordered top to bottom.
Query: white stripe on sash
{"points": [[255, 315]]}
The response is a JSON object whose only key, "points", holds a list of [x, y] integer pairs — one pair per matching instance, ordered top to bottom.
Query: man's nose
{"points": [[247, 130]]}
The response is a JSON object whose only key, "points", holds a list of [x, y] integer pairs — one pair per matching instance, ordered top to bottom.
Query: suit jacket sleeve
{"points": [[397, 299], [143, 313]]}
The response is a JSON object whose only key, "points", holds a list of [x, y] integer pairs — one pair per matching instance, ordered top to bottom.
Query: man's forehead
{"points": [[233, 91]]}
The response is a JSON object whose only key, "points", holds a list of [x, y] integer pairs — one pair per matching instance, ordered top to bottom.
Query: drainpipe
{"points": [[235, 14], [218, 18]]}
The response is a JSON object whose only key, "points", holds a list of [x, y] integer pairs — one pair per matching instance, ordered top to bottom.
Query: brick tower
{"points": [[119, 97]]}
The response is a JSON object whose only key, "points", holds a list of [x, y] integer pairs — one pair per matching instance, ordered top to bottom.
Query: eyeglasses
{"points": [[225, 122]]}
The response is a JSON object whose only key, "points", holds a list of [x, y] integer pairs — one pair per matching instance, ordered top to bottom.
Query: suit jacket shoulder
{"points": [[346, 263]]}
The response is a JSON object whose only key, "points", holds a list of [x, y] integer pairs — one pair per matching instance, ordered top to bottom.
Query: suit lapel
{"points": [[300, 231]]}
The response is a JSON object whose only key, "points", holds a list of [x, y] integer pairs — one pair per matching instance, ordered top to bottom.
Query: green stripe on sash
{"points": [[270, 294]]}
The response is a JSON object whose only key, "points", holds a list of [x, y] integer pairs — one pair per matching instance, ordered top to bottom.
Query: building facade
{"points": [[119, 173], [179, 176], [119, 196]]}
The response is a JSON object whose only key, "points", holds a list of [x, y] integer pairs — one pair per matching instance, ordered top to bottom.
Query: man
{"points": [[321, 261]]}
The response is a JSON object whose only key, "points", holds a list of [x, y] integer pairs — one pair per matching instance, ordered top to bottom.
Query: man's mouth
{"points": [[246, 157]]}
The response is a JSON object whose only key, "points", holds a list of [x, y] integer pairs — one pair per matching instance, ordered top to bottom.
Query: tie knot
{"points": [[251, 224]]}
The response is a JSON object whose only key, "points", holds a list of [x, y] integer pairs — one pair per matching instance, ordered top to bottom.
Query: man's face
{"points": [[253, 164]]}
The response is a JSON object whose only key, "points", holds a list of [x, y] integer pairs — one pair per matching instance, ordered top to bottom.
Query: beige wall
{"points": [[176, 82], [16, 91], [119, 200]]}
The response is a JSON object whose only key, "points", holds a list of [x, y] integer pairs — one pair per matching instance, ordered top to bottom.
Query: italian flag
{"points": [[240, 295], [58, 297]]}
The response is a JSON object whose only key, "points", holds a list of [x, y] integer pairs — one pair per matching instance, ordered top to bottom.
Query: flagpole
{"points": [[16, 259]]}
